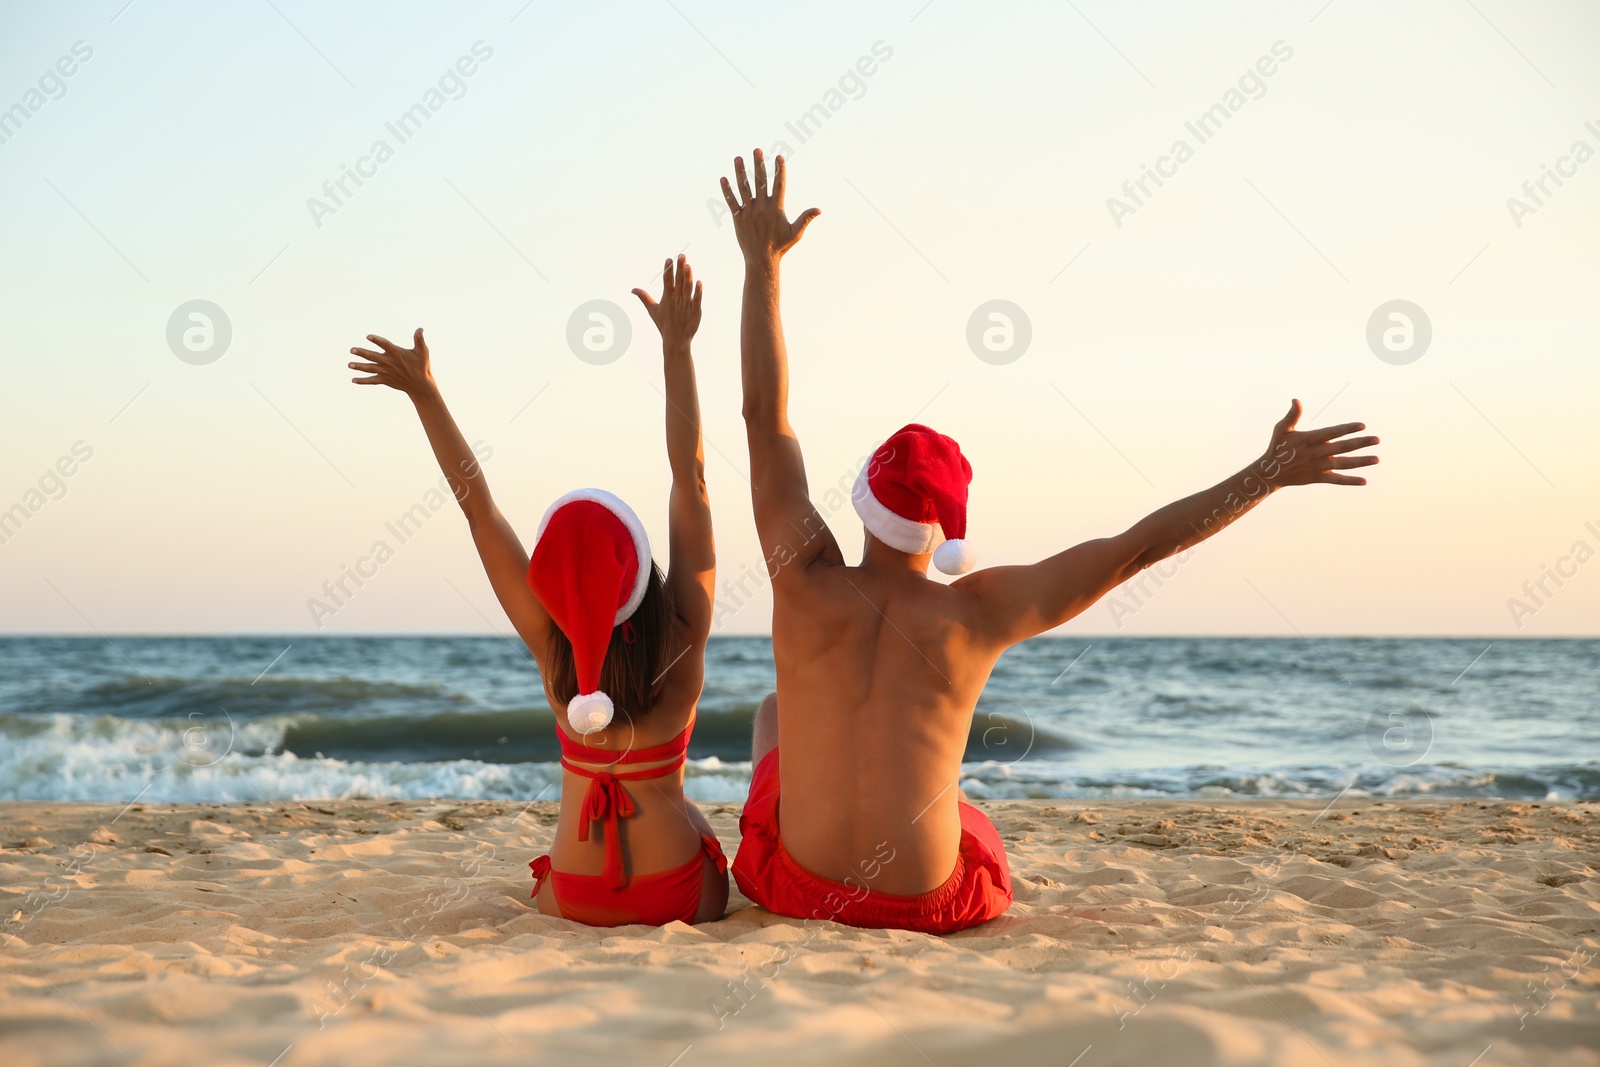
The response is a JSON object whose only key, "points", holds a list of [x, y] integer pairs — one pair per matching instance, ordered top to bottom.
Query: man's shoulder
{"points": [[816, 590], [835, 594]]}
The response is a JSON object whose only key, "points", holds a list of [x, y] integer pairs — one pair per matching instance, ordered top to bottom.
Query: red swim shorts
{"points": [[978, 889]]}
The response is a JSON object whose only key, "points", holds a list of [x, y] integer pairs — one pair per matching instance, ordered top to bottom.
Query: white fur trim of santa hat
{"points": [[896, 531], [907, 535], [641, 544]]}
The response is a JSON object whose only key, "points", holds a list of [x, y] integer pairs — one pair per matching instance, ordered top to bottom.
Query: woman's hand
{"points": [[765, 233], [677, 316], [405, 369], [504, 560], [692, 564]]}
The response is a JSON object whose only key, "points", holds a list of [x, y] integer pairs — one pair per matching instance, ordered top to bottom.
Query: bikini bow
{"points": [[607, 800]]}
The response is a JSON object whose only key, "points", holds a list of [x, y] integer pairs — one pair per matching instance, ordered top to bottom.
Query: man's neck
{"points": [[877, 556]]}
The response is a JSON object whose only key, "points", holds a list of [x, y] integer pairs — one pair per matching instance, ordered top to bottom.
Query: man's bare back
{"points": [[879, 667], [879, 670]]}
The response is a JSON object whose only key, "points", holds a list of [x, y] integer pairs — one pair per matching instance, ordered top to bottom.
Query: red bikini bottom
{"points": [[651, 899]]}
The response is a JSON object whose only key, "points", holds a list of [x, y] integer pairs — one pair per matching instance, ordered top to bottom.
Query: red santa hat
{"points": [[913, 492], [590, 567]]}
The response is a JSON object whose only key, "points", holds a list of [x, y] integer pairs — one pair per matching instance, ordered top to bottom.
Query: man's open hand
{"points": [[764, 231], [677, 316], [1302, 457]]}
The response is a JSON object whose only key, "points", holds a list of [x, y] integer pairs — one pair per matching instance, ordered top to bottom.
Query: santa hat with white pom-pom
{"points": [[914, 491], [590, 568]]}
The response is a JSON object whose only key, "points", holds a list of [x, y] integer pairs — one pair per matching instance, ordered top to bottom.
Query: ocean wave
{"points": [[158, 697], [301, 716], [510, 736], [108, 760], [111, 760], [1054, 780]]}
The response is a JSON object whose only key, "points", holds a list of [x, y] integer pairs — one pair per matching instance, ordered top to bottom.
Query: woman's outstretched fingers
{"points": [[761, 174], [780, 179], [727, 194], [645, 298], [367, 352], [1341, 463]]}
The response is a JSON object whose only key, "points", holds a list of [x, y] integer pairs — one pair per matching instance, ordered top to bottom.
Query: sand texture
{"points": [[1144, 933]]}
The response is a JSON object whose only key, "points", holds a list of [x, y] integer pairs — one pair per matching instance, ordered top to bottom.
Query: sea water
{"points": [[268, 718]]}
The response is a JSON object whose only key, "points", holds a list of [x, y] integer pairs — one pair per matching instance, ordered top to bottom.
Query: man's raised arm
{"points": [[791, 530], [1021, 602]]}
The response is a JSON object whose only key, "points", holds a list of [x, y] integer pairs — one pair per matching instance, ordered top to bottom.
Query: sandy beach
{"points": [[1144, 932]]}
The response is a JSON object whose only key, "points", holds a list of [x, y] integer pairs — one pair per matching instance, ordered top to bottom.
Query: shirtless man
{"points": [[880, 668]]}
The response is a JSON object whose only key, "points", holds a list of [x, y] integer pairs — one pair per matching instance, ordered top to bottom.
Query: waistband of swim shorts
{"points": [[880, 904]]}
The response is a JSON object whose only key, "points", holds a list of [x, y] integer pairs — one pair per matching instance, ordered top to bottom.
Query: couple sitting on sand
{"points": [[879, 669]]}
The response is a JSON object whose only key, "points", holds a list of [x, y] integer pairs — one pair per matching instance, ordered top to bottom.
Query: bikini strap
{"points": [[577, 750], [607, 800], [713, 848], [541, 866], [541, 871]]}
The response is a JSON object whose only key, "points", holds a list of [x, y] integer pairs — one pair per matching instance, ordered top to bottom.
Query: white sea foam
{"points": [[108, 759], [112, 760]]}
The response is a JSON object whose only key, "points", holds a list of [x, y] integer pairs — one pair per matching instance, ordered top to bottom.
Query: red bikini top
{"points": [[677, 750], [606, 799]]}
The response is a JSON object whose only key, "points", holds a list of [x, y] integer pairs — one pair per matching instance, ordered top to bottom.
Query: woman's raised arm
{"points": [[505, 562], [692, 571]]}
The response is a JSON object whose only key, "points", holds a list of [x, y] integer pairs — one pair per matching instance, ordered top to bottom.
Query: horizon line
{"points": [[302, 635]]}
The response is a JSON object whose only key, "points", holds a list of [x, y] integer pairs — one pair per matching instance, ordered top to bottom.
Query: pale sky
{"points": [[974, 163]]}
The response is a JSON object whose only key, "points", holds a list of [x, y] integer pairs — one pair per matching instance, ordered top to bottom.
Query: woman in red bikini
{"points": [[620, 646]]}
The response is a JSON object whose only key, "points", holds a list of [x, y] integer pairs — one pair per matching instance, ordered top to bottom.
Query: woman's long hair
{"points": [[633, 670]]}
